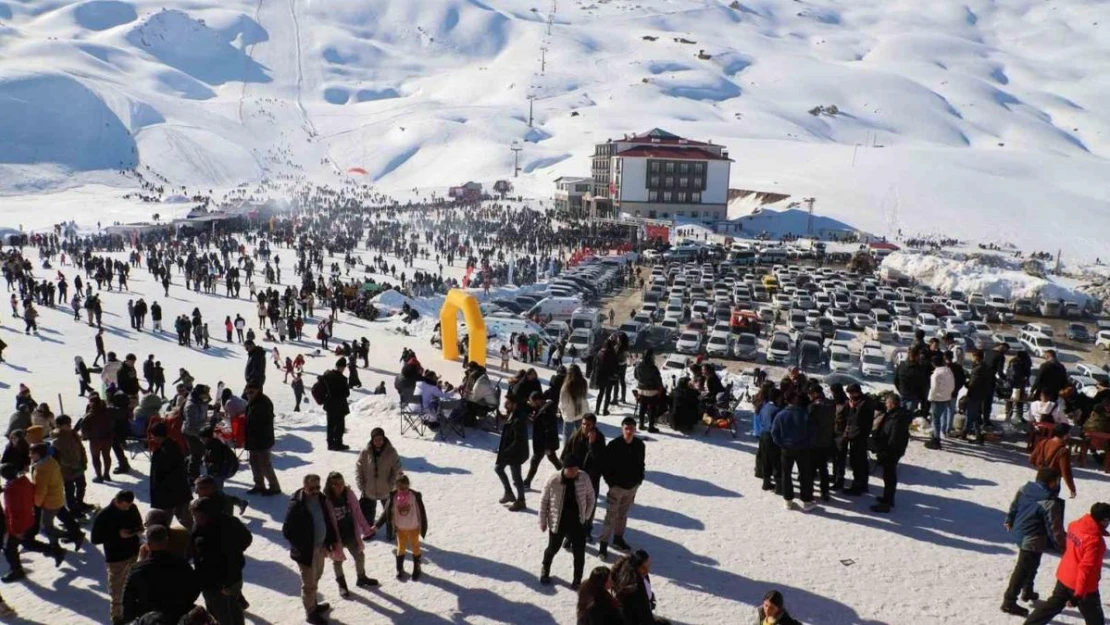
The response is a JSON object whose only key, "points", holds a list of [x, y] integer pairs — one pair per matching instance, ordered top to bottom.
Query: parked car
{"points": [[838, 317], [859, 320], [927, 323], [903, 329], [632, 330], [880, 332], [1077, 332], [1009, 339], [1102, 339], [688, 343], [718, 345], [746, 346], [778, 349], [809, 356], [840, 359], [872, 364], [1093, 371]]}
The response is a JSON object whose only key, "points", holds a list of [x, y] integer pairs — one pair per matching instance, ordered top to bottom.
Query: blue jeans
{"points": [[911, 405], [941, 413], [568, 430]]}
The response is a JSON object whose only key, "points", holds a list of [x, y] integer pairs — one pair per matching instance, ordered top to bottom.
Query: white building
{"points": [[658, 175], [569, 191]]}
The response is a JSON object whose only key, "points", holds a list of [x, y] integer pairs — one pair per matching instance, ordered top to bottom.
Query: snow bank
{"points": [[987, 274]]}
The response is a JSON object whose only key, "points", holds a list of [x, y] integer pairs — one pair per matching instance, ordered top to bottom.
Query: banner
{"points": [[652, 233]]}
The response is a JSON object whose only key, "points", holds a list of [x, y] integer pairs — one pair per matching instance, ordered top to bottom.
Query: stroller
{"points": [[721, 413]]}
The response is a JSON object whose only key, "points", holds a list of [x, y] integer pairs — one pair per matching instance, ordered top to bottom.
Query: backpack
{"points": [[320, 391]]}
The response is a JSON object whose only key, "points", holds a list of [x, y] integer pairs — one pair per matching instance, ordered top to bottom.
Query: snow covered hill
{"points": [[987, 113]]}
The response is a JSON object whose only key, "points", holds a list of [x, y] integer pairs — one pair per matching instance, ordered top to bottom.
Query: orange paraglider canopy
{"points": [[357, 170]]}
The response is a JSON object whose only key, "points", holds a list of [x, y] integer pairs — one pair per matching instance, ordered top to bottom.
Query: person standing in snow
{"points": [[100, 353], [335, 405], [890, 436], [259, 442], [376, 471], [624, 472], [567, 503], [406, 514], [1036, 520], [350, 526], [1078, 575]]}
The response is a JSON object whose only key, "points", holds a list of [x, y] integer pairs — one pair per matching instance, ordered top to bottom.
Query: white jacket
{"points": [[941, 384], [571, 409], [551, 505]]}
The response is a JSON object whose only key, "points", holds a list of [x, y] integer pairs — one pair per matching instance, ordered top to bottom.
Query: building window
{"points": [[655, 167], [670, 167], [684, 168], [699, 168], [655, 181], [670, 182], [684, 182], [699, 183], [653, 196], [666, 196], [682, 196], [695, 197]]}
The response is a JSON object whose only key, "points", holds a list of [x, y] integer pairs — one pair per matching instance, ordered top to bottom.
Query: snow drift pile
{"points": [[989, 274]]}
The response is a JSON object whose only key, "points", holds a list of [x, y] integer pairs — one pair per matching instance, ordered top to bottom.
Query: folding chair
{"points": [[412, 412], [722, 415], [491, 420], [449, 424], [136, 446]]}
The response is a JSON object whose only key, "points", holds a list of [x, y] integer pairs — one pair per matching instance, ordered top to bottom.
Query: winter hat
{"points": [[377, 432], [1101, 512]]}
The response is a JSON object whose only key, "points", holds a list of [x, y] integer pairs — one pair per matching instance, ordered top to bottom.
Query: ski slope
{"points": [[981, 119]]}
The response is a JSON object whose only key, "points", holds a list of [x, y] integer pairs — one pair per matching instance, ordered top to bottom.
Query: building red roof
{"points": [[659, 136], [667, 152]]}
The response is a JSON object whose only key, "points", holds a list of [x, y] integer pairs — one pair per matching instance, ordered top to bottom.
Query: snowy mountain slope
{"points": [[988, 113]]}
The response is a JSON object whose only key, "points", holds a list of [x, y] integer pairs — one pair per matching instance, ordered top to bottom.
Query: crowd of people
{"points": [[189, 546]]}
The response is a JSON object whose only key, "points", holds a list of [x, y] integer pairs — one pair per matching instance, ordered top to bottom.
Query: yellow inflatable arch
{"points": [[458, 300]]}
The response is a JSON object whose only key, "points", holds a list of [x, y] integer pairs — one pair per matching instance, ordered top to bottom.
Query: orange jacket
{"points": [[1081, 565]]}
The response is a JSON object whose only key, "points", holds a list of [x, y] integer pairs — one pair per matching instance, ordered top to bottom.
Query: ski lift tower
{"points": [[516, 147]]}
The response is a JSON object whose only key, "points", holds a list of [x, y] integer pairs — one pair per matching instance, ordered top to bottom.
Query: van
{"points": [[555, 308], [1049, 308], [588, 318], [1039, 328], [1036, 343]]}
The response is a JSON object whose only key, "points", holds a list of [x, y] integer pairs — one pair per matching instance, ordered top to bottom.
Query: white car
{"points": [[781, 301], [803, 301], [901, 308], [959, 309], [812, 316], [838, 317], [798, 319], [860, 320], [927, 323], [952, 324], [669, 325], [978, 327], [631, 329], [903, 329], [880, 332], [581, 339], [1008, 339], [1102, 339], [688, 343], [1037, 344], [718, 345], [778, 349], [840, 359], [674, 363], [872, 364], [1089, 370]]}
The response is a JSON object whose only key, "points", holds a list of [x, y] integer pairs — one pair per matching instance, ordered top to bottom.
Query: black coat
{"points": [[256, 366], [648, 376], [1051, 377], [127, 380], [912, 380], [980, 383], [523, 389], [338, 391], [859, 419], [260, 424], [545, 427], [890, 440], [513, 447], [590, 455], [624, 462], [169, 480], [106, 528], [299, 530], [218, 550], [164, 583], [636, 605], [602, 612]]}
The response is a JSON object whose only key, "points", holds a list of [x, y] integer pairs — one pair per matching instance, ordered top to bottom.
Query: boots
{"points": [[507, 498], [518, 505], [618, 542], [602, 550], [401, 567], [416, 568], [545, 575], [366, 582], [343, 591], [1029, 594], [1013, 608]]}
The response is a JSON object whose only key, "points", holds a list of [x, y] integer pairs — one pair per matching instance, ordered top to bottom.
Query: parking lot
{"points": [[815, 289]]}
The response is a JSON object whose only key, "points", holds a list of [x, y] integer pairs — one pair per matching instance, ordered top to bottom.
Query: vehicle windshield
{"points": [[689, 337], [746, 340], [780, 344], [841, 356], [873, 359]]}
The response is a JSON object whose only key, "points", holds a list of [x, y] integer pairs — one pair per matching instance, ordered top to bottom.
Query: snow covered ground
{"points": [[988, 114], [717, 541]]}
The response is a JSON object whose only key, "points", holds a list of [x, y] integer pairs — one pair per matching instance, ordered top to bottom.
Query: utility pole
{"points": [[550, 19], [543, 59], [531, 99], [516, 148], [809, 222]]}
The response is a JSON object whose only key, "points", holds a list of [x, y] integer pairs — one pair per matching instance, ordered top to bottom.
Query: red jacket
{"points": [[19, 505], [1081, 565]]}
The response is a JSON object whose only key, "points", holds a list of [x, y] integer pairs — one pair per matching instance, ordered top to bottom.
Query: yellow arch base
{"points": [[458, 300]]}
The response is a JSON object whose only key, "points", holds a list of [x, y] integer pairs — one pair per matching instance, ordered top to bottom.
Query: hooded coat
{"points": [[376, 471], [1036, 518]]}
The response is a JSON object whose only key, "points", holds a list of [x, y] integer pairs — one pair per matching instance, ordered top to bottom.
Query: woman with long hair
{"points": [[622, 369], [573, 401], [350, 526], [596, 603]]}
